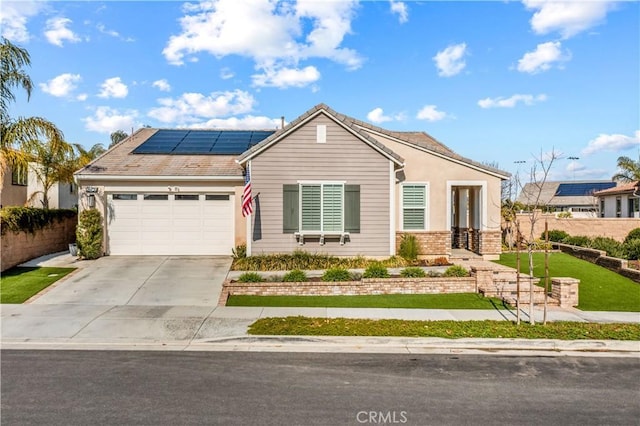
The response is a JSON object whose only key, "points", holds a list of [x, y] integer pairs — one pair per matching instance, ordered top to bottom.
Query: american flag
{"points": [[247, 207]]}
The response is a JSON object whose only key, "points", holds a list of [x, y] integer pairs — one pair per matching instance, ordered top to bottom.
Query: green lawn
{"points": [[19, 284], [599, 290], [420, 301], [303, 326]]}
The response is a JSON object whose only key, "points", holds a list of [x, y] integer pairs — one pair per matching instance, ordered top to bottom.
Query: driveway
{"points": [[142, 281]]}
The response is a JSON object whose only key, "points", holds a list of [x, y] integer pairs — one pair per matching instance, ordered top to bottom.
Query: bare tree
{"points": [[538, 177]]}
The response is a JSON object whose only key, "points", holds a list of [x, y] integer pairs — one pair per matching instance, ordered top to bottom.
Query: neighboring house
{"points": [[324, 183], [14, 187], [22, 188], [576, 197], [620, 201]]}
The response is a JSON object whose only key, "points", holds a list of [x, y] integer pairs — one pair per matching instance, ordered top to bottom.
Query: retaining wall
{"points": [[616, 228], [19, 247], [599, 257], [367, 286]]}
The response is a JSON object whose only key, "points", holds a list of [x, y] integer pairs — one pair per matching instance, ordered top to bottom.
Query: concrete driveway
{"points": [[142, 281]]}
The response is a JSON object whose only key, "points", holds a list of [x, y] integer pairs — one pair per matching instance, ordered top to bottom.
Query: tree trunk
{"points": [[546, 269], [517, 273]]}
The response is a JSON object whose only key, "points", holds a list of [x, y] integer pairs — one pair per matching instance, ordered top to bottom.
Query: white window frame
{"points": [[321, 184], [426, 205]]}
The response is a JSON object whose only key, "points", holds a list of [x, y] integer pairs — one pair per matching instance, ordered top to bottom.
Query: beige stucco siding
{"points": [[343, 158], [425, 167], [10, 194]]}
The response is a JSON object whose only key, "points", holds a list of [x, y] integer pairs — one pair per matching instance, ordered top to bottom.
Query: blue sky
{"points": [[495, 81]]}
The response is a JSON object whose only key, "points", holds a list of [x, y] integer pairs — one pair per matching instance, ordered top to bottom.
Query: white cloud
{"points": [[400, 8], [14, 17], [567, 17], [57, 32], [113, 33], [287, 33], [541, 59], [450, 61], [226, 73], [286, 77], [61, 85], [162, 85], [113, 88], [82, 97], [511, 101], [193, 107], [431, 113], [376, 115], [108, 120], [246, 122], [614, 142]]}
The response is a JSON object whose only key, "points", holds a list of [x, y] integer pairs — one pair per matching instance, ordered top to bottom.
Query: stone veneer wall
{"points": [[490, 242], [431, 244], [19, 247], [367, 286], [565, 290]]}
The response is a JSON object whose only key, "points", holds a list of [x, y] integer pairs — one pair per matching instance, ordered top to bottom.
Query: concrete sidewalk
{"points": [[225, 328]]}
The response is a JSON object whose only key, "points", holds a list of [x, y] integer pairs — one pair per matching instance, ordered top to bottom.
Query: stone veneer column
{"points": [[565, 289]]}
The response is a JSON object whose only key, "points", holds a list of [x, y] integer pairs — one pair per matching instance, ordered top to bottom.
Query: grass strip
{"points": [[19, 284], [600, 289], [410, 301], [305, 326]]}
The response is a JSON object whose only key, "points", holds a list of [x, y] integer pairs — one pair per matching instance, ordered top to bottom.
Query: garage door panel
{"points": [[172, 226]]}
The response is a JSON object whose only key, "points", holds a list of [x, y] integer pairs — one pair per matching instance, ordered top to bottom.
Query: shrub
{"points": [[565, 215], [30, 219], [89, 234], [634, 234], [556, 235], [577, 240], [541, 245], [611, 246], [408, 247], [632, 249], [240, 252], [376, 270], [456, 271], [413, 272], [336, 274], [295, 276], [250, 277]]}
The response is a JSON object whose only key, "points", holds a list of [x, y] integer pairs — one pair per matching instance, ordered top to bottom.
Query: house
{"points": [[324, 183], [14, 187], [21, 187], [576, 197], [620, 201]]}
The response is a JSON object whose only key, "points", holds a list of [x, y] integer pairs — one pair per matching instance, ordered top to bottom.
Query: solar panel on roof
{"points": [[209, 142], [579, 189]]}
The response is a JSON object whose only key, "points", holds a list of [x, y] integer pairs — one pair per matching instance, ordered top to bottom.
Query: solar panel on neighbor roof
{"points": [[209, 142], [582, 188]]}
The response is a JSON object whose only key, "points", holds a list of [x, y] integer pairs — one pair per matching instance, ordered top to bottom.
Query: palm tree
{"points": [[19, 136], [84, 157], [51, 162], [628, 170]]}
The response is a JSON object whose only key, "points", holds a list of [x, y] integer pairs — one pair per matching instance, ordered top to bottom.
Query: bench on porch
{"points": [[300, 236]]}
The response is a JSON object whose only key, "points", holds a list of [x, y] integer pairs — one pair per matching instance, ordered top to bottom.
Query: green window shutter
{"points": [[413, 206], [332, 207], [311, 208], [352, 208], [290, 210]]}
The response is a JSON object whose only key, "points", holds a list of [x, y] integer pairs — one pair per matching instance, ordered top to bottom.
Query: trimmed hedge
{"points": [[31, 219], [89, 234]]}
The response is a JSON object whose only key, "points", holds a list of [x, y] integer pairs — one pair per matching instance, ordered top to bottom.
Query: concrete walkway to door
{"points": [[142, 281]]}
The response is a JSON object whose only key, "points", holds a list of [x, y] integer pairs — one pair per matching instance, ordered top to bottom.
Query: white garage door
{"points": [[181, 224]]}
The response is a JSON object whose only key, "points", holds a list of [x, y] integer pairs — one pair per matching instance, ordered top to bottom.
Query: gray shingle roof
{"points": [[119, 161]]}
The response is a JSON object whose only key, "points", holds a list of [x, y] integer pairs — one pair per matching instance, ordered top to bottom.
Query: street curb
{"points": [[341, 344]]}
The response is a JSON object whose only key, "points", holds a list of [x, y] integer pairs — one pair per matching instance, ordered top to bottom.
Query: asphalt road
{"points": [[181, 388]]}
